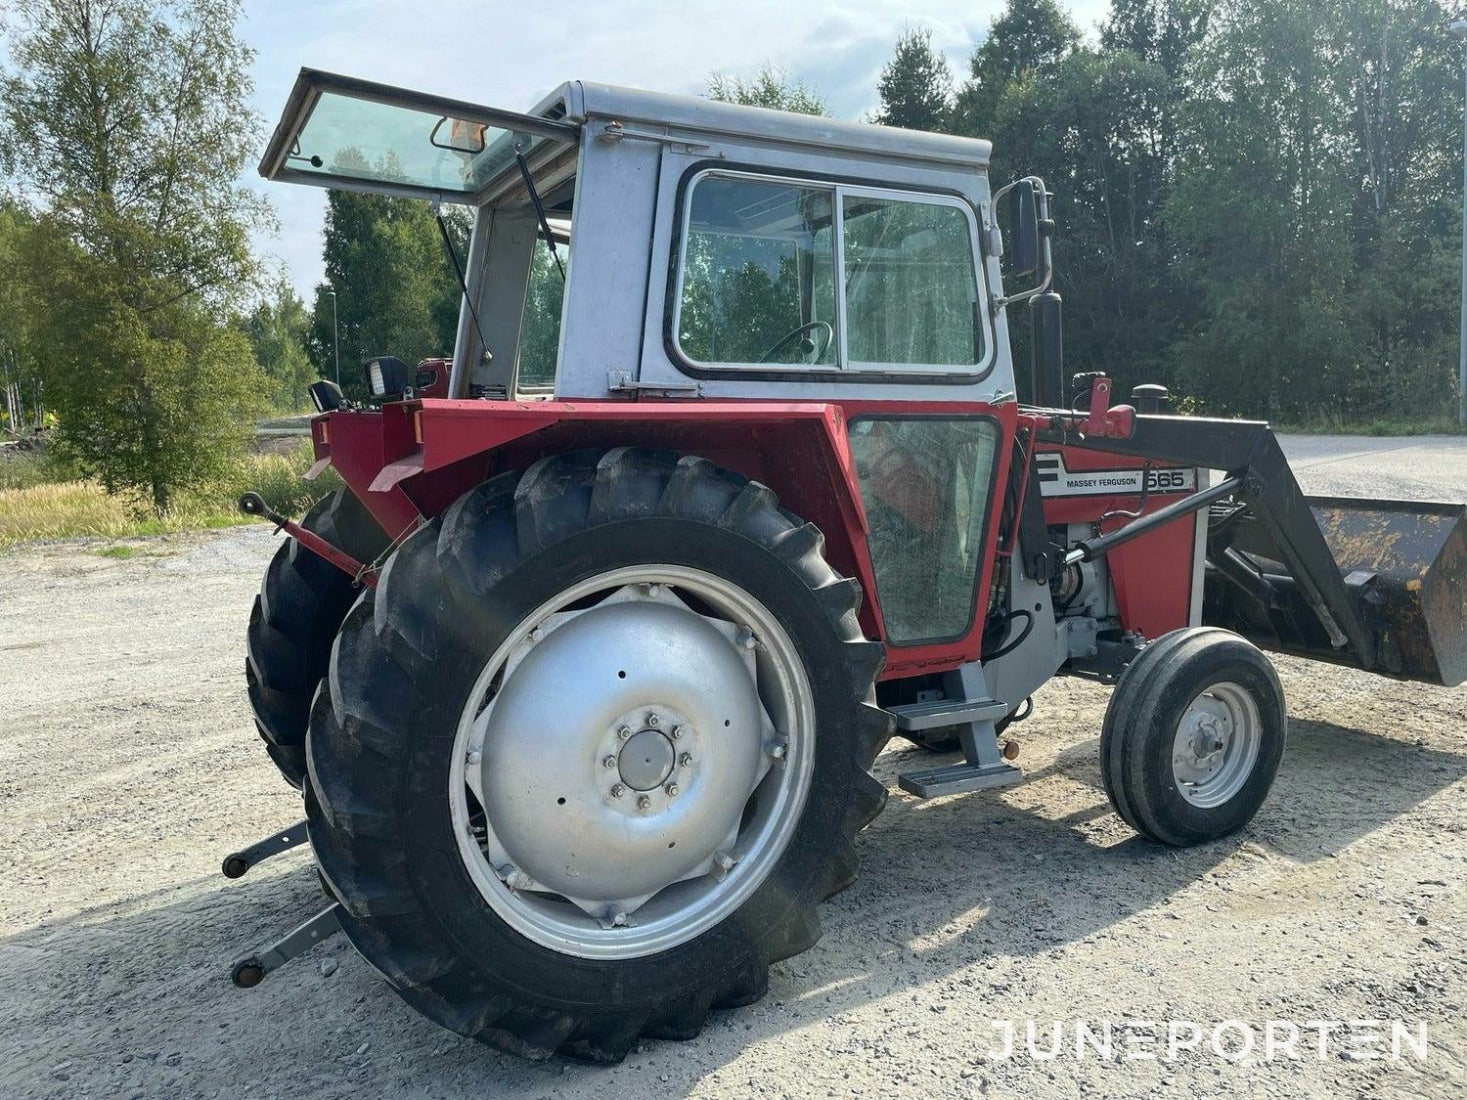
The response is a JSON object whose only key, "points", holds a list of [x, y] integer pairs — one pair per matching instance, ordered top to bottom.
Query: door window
{"points": [[927, 485]]}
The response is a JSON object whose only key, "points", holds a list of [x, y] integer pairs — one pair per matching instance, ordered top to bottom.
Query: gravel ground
{"points": [[129, 766]]}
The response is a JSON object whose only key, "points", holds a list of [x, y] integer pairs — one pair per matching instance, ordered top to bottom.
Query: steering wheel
{"points": [[807, 346]]}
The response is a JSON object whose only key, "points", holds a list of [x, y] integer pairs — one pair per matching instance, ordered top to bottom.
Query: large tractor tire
{"points": [[303, 599], [1193, 736], [594, 751]]}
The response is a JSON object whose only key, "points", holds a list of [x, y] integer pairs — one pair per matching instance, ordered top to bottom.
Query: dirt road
{"points": [[129, 766]]}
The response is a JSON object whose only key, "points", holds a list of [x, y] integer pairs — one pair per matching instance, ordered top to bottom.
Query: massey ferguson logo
{"points": [[1057, 481]]}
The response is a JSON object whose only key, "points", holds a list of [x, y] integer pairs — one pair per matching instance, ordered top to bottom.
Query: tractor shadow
{"points": [[136, 997]]}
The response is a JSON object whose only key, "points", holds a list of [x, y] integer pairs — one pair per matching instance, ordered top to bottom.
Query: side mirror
{"points": [[1024, 243]]}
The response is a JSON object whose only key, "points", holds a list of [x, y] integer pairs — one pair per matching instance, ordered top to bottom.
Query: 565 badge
{"points": [[1055, 480]]}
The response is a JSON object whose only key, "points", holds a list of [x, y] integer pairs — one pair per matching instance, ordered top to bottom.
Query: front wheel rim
{"points": [[1216, 745], [632, 762]]}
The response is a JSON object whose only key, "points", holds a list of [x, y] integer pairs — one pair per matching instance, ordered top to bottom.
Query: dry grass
{"points": [[78, 509]]}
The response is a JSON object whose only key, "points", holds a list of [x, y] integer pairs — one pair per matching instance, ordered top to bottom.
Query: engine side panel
{"points": [[1157, 577]]}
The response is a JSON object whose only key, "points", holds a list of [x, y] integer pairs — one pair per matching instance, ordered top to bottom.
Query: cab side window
{"points": [[784, 273], [757, 284]]}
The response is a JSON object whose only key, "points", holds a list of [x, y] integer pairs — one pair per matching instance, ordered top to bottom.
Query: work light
{"points": [[387, 377]]}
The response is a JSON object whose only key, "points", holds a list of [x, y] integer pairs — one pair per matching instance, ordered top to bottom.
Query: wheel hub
{"points": [[1216, 745], [646, 760]]}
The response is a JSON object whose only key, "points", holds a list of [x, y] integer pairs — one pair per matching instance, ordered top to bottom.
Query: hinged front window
{"points": [[340, 132], [765, 280]]}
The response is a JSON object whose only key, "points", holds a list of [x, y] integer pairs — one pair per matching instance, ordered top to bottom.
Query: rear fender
{"points": [[413, 459]]}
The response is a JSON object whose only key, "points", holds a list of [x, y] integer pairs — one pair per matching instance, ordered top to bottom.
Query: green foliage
{"points": [[1027, 42], [915, 85], [770, 87], [128, 121], [1258, 203], [1314, 203], [396, 293], [277, 330], [540, 336], [21, 384], [53, 504]]}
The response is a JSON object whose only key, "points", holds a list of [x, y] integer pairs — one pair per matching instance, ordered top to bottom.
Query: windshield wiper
{"points": [[539, 211]]}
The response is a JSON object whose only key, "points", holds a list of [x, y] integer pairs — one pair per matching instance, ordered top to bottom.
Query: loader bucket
{"points": [[1404, 565], [1418, 601]]}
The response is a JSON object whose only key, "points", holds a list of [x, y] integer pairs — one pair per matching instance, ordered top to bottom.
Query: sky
{"points": [[511, 54]]}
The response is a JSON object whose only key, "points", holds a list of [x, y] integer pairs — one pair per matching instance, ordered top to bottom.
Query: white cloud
{"points": [[511, 54]]}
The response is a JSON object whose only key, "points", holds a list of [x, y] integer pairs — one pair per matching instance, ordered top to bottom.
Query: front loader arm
{"points": [[1249, 451]]}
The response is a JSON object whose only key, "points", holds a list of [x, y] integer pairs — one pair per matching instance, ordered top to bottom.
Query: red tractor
{"points": [[584, 671]]}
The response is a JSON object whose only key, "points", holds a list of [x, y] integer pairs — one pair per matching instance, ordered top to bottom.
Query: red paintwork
{"points": [[440, 369], [413, 459], [1152, 574]]}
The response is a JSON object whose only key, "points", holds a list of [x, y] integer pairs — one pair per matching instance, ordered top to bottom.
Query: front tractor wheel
{"points": [[1193, 736], [594, 751]]}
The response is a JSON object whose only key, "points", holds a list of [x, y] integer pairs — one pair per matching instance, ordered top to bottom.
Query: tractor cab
{"points": [[629, 243]]}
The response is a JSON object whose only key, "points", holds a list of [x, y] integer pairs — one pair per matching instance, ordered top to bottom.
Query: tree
{"points": [[1029, 40], [916, 85], [770, 87], [130, 122], [1089, 130], [1263, 207], [396, 293], [276, 329], [21, 384]]}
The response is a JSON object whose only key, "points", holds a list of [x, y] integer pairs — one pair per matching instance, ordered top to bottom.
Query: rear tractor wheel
{"points": [[303, 599], [1193, 736], [594, 751]]}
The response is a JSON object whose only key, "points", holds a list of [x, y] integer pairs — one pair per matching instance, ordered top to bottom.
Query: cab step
{"points": [[946, 712], [959, 779]]}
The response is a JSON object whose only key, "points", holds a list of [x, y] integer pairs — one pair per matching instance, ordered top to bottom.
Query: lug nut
{"points": [[654, 590], [537, 634], [747, 639], [652, 720], [623, 732], [677, 733], [778, 749], [475, 756], [685, 759], [608, 762], [617, 790], [671, 790], [643, 802], [618, 920]]}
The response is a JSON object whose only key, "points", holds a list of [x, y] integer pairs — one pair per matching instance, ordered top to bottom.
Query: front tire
{"points": [[480, 711], [1193, 736]]}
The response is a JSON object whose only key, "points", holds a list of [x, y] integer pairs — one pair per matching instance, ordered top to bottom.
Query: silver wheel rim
{"points": [[1216, 745], [632, 762]]}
